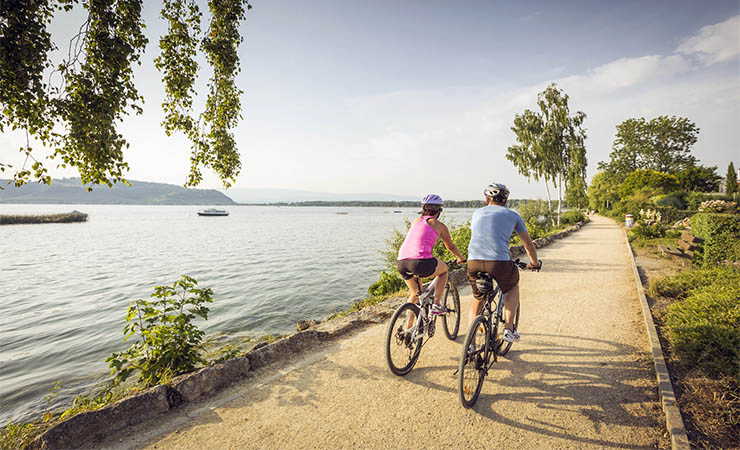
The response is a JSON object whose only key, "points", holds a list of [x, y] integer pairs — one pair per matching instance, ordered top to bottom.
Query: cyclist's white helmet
{"points": [[497, 191], [432, 199]]}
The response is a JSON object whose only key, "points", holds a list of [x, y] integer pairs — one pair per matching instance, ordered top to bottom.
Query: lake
{"points": [[66, 287]]}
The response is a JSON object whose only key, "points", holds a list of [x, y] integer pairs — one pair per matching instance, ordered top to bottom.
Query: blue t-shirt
{"points": [[491, 228]]}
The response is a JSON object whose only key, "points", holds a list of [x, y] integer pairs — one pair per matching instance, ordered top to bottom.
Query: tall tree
{"points": [[75, 107], [551, 144], [662, 144], [528, 156], [731, 179], [603, 192]]}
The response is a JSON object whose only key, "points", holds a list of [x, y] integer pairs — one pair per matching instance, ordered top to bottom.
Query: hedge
{"points": [[721, 235], [704, 329]]}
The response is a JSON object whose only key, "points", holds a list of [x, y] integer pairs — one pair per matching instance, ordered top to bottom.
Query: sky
{"points": [[406, 98]]}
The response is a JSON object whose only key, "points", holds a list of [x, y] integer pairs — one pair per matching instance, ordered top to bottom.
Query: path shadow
{"points": [[561, 265], [592, 377]]}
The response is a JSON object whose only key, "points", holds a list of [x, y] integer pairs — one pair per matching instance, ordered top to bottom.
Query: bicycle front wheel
{"points": [[452, 318], [403, 343], [505, 346], [474, 361]]}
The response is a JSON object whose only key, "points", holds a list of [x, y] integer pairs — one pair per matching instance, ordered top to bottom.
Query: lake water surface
{"points": [[65, 287]]}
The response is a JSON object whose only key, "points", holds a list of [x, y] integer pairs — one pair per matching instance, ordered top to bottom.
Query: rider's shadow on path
{"points": [[558, 376]]}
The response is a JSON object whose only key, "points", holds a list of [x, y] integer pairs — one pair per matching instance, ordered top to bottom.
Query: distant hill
{"points": [[72, 191], [261, 196]]}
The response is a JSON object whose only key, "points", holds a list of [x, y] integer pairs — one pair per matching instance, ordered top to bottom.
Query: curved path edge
{"points": [[673, 418], [87, 427]]}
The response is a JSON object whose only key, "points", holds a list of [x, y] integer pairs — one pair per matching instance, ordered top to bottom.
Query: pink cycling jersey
{"points": [[419, 241]]}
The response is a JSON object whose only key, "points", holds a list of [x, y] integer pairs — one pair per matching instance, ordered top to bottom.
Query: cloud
{"points": [[714, 43], [632, 71]]}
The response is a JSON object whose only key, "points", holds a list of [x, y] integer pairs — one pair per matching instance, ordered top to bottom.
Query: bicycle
{"points": [[483, 342], [403, 344]]}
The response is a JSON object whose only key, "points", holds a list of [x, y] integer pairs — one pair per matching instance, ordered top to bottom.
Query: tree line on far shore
{"points": [[389, 204]]}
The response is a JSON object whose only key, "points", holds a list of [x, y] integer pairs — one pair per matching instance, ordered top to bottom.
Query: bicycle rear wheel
{"points": [[452, 318], [503, 345], [402, 346], [474, 361]]}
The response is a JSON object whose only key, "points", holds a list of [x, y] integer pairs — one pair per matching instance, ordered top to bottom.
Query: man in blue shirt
{"points": [[488, 252]]}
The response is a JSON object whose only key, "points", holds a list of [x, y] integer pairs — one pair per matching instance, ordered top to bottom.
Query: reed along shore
{"points": [[74, 216]]}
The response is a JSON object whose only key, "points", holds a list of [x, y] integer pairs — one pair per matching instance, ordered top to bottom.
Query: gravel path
{"points": [[580, 378]]}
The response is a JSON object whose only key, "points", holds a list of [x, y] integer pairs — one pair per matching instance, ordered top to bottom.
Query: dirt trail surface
{"points": [[579, 378]]}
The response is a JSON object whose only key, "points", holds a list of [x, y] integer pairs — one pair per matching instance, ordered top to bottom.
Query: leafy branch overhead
{"points": [[76, 107]]}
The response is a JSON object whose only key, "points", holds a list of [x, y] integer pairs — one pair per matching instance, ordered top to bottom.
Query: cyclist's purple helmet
{"points": [[432, 199]]}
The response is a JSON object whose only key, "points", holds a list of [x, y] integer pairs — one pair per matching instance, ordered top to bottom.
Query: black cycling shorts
{"points": [[408, 268]]}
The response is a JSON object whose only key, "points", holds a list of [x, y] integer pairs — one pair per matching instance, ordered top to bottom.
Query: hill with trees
{"points": [[72, 191]]}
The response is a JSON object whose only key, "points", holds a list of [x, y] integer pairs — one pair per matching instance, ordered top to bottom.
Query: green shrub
{"points": [[639, 179], [672, 200], [632, 204], [537, 209], [672, 215], [571, 217], [535, 230], [644, 231], [460, 235], [721, 235], [393, 244], [388, 283], [681, 285], [704, 329], [169, 342]]}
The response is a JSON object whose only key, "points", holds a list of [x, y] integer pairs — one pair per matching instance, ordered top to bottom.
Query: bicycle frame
{"points": [[425, 302], [488, 313]]}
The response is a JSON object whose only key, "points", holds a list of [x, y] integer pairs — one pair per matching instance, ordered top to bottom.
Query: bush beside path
{"points": [[581, 378]]}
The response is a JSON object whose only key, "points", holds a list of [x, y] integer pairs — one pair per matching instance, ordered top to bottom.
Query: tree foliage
{"points": [[76, 107], [662, 144], [551, 145], [698, 178], [731, 179], [659, 182], [603, 192]]}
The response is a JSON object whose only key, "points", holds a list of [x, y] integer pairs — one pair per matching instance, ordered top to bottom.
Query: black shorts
{"points": [[408, 268], [504, 272]]}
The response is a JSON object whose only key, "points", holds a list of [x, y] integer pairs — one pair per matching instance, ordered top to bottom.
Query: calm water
{"points": [[65, 287]]}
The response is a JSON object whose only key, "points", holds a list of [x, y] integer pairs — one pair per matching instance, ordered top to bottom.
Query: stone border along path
{"points": [[674, 421], [90, 427]]}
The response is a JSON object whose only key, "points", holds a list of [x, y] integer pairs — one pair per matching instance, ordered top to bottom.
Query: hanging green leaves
{"points": [[79, 116]]}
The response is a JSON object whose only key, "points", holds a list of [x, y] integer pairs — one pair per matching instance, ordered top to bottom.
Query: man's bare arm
{"points": [[530, 248]]}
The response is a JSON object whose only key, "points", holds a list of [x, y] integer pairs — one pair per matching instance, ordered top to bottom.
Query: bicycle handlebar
{"points": [[453, 263], [522, 265]]}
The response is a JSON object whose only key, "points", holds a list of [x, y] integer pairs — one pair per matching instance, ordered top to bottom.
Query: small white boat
{"points": [[213, 212]]}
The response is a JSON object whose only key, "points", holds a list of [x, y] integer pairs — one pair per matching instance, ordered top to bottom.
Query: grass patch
{"points": [[683, 284], [702, 328], [19, 435]]}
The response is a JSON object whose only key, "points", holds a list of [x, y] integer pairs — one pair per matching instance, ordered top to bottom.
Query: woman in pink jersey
{"points": [[415, 255]]}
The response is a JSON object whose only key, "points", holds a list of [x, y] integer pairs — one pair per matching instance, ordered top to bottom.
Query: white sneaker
{"points": [[510, 336]]}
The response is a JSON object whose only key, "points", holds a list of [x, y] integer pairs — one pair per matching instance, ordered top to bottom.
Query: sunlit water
{"points": [[65, 287]]}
